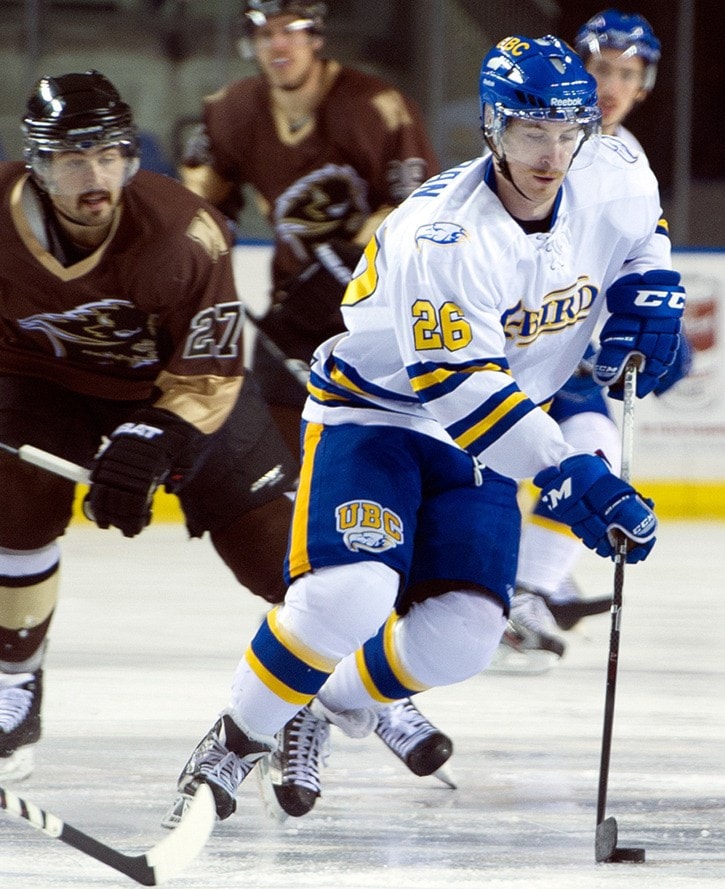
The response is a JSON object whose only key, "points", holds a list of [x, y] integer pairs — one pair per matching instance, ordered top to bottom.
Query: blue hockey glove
{"points": [[646, 312], [679, 368], [154, 447], [581, 492]]}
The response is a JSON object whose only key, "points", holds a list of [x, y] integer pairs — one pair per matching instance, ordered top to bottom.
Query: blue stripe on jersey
{"points": [[433, 380], [340, 384], [482, 427], [292, 676], [384, 677]]}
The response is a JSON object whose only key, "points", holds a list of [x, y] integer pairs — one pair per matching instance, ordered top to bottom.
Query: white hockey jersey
{"points": [[460, 324]]}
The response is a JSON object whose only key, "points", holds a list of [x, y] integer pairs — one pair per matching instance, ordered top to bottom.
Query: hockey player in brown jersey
{"points": [[328, 151], [119, 321]]}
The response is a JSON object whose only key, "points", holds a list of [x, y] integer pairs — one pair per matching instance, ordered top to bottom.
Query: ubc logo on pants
{"points": [[368, 526]]}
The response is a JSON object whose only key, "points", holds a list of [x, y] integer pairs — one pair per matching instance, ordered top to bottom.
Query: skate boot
{"points": [[568, 606], [529, 643], [20, 698], [414, 740], [222, 759], [289, 777]]}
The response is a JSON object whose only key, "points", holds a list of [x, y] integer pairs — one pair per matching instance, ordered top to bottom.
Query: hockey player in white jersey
{"points": [[621, 51], [472, 305]]}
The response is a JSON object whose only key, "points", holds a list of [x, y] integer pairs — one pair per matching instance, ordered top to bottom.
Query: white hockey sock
{"points": [[327, 614]]}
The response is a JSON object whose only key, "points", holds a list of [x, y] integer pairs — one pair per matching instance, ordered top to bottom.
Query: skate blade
{"points": [[528, 662], [18, 766], [445, 774], [271, 805], [177, 811]]}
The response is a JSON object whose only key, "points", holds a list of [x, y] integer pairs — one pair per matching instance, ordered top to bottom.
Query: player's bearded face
{"points": [[285, 53], [85, 186]]}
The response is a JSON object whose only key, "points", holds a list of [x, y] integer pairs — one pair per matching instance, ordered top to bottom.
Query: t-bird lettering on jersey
{"points": [[559, 309]]}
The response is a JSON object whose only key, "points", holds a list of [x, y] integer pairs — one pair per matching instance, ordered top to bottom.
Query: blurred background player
{"points": [[621, 51], [329, 151], [473, 305], [120, 350]]}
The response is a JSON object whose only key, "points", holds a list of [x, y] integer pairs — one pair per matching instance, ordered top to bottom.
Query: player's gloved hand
{"points": [[308, 306], [645, 321], [679, 369], [154, 446], [581, 492]]}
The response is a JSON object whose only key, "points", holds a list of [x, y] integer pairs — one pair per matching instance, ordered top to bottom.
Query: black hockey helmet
{"points": [[311, 14], [76, 112]]}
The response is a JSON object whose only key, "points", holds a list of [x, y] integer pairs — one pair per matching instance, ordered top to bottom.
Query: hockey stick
{"points": [[297, 367], [50, 462], [605, 843], [162, 862]]}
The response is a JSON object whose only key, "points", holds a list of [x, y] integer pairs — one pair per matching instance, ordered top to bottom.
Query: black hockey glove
{"points": [[309, 305], [153, 447]]}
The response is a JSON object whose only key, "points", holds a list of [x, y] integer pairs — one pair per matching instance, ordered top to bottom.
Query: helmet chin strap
{"points": [[504, 170]]}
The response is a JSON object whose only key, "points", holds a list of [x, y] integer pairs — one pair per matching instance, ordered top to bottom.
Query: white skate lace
{"points": [[15, 701], [402, 726], [306, 743], [223, 767]]}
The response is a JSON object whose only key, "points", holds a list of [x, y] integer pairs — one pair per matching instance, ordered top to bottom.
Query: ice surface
{"points": [[143, 646]]}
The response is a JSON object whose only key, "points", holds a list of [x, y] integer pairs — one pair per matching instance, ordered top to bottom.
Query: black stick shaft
{"points": [[630, 386]]}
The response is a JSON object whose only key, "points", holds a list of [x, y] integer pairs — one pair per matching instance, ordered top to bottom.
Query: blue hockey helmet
{"points": [[631, 33], [539, 79]]}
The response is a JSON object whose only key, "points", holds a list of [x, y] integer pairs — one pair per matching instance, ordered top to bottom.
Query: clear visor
{"points": [[550, 140], [66, 169]]}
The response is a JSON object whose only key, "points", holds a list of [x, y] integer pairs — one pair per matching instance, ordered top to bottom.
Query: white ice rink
{"points": [[143, 647]]}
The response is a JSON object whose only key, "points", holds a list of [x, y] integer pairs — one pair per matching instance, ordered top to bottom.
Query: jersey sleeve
{"points": [[202, 326]]}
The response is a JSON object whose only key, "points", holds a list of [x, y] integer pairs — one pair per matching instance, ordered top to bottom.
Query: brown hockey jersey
{"points": [[361, 153], [152, 312]]}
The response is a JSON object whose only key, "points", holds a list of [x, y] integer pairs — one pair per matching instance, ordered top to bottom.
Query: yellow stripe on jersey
{"points": [[363, 285], [441, 374], [339, 379], [480, 429]]}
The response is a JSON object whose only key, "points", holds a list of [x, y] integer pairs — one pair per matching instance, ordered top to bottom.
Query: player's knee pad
{"points": [[334, 610], [449, 638]]}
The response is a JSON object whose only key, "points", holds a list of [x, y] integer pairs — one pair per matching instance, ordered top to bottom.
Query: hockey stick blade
{"points": [[605, 839], [162, 862]]}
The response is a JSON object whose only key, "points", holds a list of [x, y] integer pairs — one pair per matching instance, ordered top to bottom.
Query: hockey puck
{"points": [[628, 854]]}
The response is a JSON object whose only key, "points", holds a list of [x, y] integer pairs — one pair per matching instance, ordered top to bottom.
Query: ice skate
{"points": [[529, 643], [20, 698], [413, 739], [222, 759], [289, 777]]}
